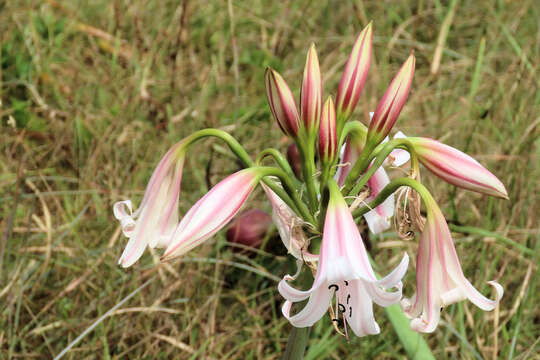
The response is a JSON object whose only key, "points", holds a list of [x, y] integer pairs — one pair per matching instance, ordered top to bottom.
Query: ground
{"points": [[93, 93]]}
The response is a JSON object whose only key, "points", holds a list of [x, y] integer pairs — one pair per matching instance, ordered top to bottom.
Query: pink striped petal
{"points": [[354, 75], [311, 92], [392, 102], [456, 167], [212, 212], [151, 224], [344, 271], [439, 278]]}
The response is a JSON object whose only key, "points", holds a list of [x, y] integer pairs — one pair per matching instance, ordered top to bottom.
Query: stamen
{"points": [[333, 285], [342, 308]]}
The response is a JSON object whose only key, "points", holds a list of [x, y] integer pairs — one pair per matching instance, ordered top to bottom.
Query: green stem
{"points": [[352, 127], [233, 144], [380, 155], [307, 156], [278, 158], [359, 167], [288, 186], [390, 189], [296, 345]]}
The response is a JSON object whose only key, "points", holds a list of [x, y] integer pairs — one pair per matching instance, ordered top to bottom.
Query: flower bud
{"points": [[354, 75], [311, 93], [281, 101], [392, 102], [327, 132], [293, 157], [456, 167], [249, 228]]}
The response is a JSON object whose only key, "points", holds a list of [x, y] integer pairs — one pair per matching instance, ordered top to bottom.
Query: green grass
{"points": [[93, 93]]}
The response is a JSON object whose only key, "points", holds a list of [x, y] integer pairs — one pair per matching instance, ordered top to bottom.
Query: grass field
{"points": [[93, 93]]}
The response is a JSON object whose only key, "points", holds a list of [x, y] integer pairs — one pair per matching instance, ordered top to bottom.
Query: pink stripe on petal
{"points": [[213, 211]]}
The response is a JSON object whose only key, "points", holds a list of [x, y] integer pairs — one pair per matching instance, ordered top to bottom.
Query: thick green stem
{"points": [[233, 144], [307, 155], [381, 155], [278, 157], [359, 167], [390, 189], [296, 345]]}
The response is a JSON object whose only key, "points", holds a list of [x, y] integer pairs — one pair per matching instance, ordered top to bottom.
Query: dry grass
{"points": [[94, 92]]}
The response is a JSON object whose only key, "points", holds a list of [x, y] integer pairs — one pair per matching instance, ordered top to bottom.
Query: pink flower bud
{"points": [[354, 75], [311, 93], [281, 101], [392, 102], [327, 132], [293, 157], [456, 167], [249, 228]]}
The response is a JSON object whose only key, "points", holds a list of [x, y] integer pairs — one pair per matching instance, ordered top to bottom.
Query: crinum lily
{"points": [[157, 216], [344, 271], [439, 278]]}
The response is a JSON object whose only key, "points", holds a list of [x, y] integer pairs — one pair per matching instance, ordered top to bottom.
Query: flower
{"points": [[354, 75], [311, 92], [281, 101], [392, 102], [327, 133], [456, 167], [212, 212], [157, 215], [344, 271], [439, 278]]}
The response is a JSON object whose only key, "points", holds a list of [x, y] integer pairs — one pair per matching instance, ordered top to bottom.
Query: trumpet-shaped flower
{"points": [[354, 75], [311, 92], [281, 101], [392, 102], [327, 133], [456, 167], [212, 212], [155, 219], [289, 226], [345, 272], [439, 278]]}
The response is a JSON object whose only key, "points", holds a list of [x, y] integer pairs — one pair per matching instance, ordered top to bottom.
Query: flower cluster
{"points": [[339, 180]]}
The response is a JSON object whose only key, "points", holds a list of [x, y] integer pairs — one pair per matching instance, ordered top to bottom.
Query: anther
{"points": [[333, 286]]}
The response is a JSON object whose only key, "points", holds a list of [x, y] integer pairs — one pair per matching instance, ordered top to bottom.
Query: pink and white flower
{"points": [[354, 75], [311, 92], [392, 102], [282, 103], [327, 132], [456, 167], [212, 212], [154, 221], [345, 272], [439, 278]]}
